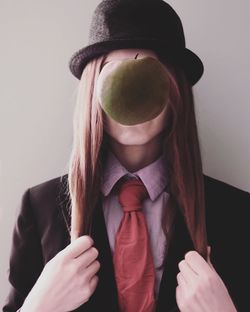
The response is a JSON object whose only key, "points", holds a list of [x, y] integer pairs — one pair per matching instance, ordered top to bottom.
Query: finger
{"points": [[77, 247], [209, 251], [86, 258], [197, 263], [92, 269], [188, 274], [181, 280], [93, 283], [179, 296]]}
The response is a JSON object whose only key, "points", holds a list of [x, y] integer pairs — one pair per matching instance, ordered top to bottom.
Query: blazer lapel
{"points": [[179, 245], [105, 296]]}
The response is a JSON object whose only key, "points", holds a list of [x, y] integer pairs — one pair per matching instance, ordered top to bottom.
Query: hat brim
{"points": [[186, 59]]}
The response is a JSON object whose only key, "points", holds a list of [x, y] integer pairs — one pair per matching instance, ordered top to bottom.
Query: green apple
{"points": [[135, 91]]}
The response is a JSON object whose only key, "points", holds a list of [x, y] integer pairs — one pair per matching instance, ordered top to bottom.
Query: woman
{"points": [[67, 228]]}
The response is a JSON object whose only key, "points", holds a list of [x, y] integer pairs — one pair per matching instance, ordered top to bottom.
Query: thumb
{"points": [[209, 251], [209, 257]]}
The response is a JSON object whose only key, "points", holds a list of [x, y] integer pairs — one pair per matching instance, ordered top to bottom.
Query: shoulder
{"points": [[220, 188], [47, 190], [223, 195], [47, 198], [227, 211]]}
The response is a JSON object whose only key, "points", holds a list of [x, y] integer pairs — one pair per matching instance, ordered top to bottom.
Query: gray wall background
{"points": [[38, 93]]}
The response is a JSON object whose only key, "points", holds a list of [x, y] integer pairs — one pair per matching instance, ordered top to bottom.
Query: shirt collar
{"points": [[154, 175]]}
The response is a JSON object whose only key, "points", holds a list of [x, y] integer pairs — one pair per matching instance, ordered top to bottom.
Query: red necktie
{"points": [[133, 260]]}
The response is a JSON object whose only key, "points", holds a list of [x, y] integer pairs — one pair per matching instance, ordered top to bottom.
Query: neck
{"points": [[135, 157]]}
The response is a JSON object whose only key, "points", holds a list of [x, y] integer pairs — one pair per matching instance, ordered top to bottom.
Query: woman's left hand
{"points": [[200, 288]]}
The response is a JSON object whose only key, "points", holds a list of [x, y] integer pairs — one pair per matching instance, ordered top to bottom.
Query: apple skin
{"points": [[133, 91]]}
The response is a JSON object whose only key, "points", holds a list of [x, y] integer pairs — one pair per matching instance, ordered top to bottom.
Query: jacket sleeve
{"points": [[26, 260]]}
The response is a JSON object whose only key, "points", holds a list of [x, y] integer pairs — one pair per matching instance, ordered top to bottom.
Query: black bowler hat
{"points": [[141, 24]]}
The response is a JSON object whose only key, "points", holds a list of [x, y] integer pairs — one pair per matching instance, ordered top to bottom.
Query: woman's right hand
{"points": [[67, 280]]}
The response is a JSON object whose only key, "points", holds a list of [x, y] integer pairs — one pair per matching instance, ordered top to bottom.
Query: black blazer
{"points": [[42, 229]]}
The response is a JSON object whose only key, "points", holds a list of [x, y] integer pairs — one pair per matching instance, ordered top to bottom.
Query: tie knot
{"points": [[131, 194]]}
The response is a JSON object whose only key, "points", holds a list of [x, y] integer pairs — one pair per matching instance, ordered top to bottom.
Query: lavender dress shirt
{"points": [[154, 177]]}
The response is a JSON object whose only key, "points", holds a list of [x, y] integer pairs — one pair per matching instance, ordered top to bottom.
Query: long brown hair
{"points": [[180, 145]]}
